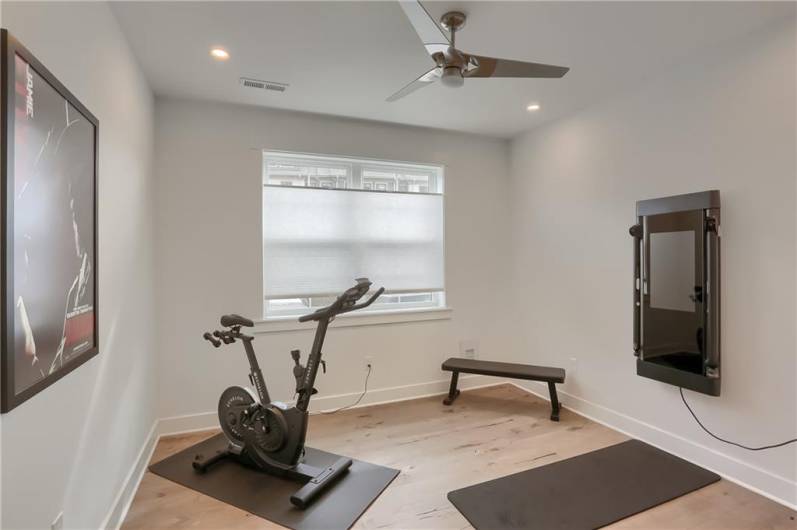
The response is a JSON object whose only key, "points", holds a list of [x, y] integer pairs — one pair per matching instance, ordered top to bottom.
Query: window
{"points": [[329, 220]]}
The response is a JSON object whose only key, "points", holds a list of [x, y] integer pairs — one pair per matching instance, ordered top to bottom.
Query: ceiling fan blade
{"points": [[425, 26], [492, 67], [428, 78]]}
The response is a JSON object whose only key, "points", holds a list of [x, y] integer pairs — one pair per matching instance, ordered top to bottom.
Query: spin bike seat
{"points": [[236, 320]]}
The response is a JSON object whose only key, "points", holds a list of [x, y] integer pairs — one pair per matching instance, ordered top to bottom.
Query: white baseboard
{"points": [[403, 393], [204, 421], [188, 423], [779, 489], [124, 498]]}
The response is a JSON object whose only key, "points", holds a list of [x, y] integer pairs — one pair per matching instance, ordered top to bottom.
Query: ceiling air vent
{"points": [[263, 85]]}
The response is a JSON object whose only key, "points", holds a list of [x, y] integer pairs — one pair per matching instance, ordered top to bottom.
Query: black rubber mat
{"points": [[586, 491], [269, 497]]}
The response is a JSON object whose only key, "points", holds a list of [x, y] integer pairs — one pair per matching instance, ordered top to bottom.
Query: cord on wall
{"points": [[365, 390], [763, 447]]}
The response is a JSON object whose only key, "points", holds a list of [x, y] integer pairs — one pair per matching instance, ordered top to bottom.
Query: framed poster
{"points": [[49, 232]]}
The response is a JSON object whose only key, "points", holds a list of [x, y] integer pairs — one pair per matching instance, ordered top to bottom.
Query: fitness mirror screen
{"points": [[672, 270]]}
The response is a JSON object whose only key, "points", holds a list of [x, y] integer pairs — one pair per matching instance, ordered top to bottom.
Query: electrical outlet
{"points": [[469, 349], [368, 362], [573, 365], [58, 523]]}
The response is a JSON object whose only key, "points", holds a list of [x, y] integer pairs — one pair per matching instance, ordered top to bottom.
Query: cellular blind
{"points": [[317, 240]]}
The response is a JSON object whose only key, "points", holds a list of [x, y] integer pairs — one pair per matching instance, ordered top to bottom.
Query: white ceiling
{"points": [[345, 58]]}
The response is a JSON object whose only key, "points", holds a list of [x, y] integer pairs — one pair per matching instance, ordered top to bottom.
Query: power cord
{"points": [[365, 390], [793, 440]]}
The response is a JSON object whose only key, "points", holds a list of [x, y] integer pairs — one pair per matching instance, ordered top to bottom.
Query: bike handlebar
{"points": [[370, 301], [345, 302], [312, 316], [225, 336], [213, 340]]}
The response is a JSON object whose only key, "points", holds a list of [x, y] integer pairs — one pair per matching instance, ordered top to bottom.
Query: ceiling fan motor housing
{"points": [[452, 77]]}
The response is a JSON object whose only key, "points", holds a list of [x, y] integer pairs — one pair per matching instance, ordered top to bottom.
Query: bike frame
{"points": [[345, 303], [313, 361], [311, 371], [255, 375]]}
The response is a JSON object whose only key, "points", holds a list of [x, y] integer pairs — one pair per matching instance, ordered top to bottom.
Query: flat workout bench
{"points": [[550, 375]]}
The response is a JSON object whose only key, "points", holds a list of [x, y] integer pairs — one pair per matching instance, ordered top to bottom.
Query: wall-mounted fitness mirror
{"points": [[676, 290]]}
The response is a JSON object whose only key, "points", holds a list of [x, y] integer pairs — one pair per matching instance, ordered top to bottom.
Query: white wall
{"points": [[726, 121], [208, 169], [71, 446]]}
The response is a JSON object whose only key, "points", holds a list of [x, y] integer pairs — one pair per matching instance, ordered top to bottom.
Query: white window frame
{"points": [[384, 313]]}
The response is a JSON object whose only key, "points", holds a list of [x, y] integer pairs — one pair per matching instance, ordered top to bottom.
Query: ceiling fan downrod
{"points": [[453, 21], [452, 74]]}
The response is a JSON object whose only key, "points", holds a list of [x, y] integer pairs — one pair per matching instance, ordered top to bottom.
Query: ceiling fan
{"points": [[452, 66]]}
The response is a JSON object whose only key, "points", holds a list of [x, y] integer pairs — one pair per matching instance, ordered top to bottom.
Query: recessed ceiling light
{"points": [[220, 54], [533, 107]]}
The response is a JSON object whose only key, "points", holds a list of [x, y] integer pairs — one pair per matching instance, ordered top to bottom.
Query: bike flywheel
{"points": [[233, 403]]}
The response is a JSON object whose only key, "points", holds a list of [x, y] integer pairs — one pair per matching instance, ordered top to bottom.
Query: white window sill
{"points": [[363, 318]]}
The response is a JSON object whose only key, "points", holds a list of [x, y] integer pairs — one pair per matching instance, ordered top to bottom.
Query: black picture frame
{"points": [[10, 397]]}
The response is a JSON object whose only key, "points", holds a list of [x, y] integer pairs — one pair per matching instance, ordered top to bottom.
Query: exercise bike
{"points": [[269, 435]]}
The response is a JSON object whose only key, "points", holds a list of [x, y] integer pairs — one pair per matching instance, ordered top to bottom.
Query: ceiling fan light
{"points": [[452, 77]]}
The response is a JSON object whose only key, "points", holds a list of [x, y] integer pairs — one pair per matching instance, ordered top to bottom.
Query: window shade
{"points": [[316, 241]]}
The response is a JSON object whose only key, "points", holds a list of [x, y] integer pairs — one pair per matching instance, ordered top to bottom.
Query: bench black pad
{"points": [[512, 370]]}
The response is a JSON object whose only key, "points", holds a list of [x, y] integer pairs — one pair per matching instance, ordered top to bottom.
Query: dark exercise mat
{"points": [[586, 491], [338, 507]]}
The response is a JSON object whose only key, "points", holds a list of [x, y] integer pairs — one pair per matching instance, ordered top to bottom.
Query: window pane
{"points": [[286, 169], [307, 174], [396, 180], [301, 306]]}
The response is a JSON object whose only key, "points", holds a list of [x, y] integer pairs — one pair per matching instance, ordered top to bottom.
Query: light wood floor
{"points": [[488, 433]]}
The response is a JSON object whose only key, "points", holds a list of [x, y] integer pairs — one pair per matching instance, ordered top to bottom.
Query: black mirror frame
{"points": [[708, 202]]}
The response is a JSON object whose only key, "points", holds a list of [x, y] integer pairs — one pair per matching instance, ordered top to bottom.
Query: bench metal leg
{"points": [[453, 391], [554, 402]]}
